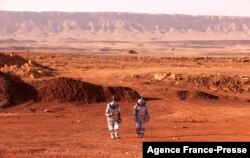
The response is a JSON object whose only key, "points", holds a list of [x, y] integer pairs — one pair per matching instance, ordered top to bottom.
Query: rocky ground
{"points": [[23, 67], [56, 107]]}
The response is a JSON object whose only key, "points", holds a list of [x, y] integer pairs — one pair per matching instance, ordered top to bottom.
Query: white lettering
{"points": [[219, 148], [150, 149], [185, 149]]}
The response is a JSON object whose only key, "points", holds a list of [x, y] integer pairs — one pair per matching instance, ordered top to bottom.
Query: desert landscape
{"points": [[55, 82], [57, 109]]}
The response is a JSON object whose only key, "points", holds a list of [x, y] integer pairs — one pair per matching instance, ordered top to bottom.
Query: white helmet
{"points": [[141, 101], [113, 104]]}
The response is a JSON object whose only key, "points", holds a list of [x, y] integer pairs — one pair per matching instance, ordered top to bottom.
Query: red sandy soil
{"points": [[14, 91], [80, 130]]}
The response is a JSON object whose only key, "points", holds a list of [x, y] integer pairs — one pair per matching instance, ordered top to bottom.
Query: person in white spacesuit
{"points": [[113, 114], [141, 116]]}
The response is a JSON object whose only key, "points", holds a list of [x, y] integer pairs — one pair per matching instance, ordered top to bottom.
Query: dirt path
{"points": [[75, 131]]}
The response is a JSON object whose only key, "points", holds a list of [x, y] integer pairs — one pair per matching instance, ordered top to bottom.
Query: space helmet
{"points": [[141, 102]]}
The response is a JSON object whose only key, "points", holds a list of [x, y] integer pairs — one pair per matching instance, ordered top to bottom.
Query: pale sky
{"points": [[191, 7]]}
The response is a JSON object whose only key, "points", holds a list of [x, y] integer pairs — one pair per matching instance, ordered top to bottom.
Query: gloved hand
{"points": [[110, 115], [136, 119], [119, 121]]}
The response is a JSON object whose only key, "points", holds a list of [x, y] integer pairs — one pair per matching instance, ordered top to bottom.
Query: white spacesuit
{"points": [[113, 115], [141, 116]]}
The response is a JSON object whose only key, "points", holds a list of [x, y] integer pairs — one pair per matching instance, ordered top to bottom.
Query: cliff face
{"points": [[121, 26]]}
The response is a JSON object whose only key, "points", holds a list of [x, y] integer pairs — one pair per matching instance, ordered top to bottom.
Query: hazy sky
{"points": [[193, 7]]}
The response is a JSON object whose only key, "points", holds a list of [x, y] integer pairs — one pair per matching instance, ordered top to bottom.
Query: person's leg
{"points": [[137, 128], [111, 129], [116, 129], [142, 129]]}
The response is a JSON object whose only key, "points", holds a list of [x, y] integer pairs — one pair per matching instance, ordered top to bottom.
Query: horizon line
{"points": [[122, 12]]}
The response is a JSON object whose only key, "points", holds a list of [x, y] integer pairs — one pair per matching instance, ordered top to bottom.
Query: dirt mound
{"points": [[132, 52], [11, 59], [22, 67], [235, 84], [70, 90], [14, 91], [120, 93], [183, 95], [204, 95]]}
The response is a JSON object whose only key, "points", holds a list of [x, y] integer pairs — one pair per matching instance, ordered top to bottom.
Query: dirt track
{"points": [[70, 130], [80, 131]]}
